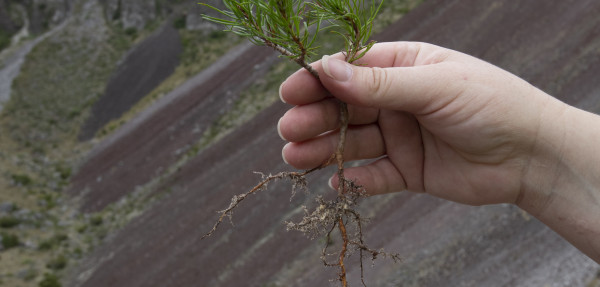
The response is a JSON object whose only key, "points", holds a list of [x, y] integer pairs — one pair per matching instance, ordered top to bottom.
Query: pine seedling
{"points": [[352, 21], [280, 24], [291, 27]]}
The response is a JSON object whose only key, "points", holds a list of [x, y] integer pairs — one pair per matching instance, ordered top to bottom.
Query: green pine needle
{"points": [[292, 26]]}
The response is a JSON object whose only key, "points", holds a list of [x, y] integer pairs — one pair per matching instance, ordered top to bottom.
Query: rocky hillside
{"points": [[59, 68], [125, 125]]}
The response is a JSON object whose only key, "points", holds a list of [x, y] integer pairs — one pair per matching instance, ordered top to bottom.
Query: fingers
{"points": [[403, 54], [412, 77], [303, 88], [418, 90], [304, 122], [362, 142], [402, 166], [378, 177]]}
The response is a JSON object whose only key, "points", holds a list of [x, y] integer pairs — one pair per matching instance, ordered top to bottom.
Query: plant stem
{"points": [[300, 60], [339, 153], [344, 234]]}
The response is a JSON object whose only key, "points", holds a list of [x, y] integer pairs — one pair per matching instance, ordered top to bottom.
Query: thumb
{"points": [[412, 89]]}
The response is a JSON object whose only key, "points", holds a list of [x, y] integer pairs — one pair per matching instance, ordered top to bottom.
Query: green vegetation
{"points": [[179, 22], [131, 32], [5, 38], [64, 171], [21, 179], [96, 220], [9, 221], [9, 240], [53, 242], [57, 263], [50, 280]]}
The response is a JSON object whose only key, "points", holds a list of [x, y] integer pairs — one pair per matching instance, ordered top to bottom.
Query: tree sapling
{"points": [[291, 27]]}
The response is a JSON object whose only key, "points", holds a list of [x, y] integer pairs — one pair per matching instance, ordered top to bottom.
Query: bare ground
{"points": [[555, 45], [143, 68]]}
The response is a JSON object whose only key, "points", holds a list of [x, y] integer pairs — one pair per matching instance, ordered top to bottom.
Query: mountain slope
{"points": [[553, 45], [127, 205]]}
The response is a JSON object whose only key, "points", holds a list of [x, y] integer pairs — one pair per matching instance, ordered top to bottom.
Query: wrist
{"points": [[564, 160], [546, 163], [561, 186]]}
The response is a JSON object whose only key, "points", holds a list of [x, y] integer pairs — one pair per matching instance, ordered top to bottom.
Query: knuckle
{"points": [[377, 84]]}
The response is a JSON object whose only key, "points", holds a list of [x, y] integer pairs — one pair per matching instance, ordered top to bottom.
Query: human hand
{"points": [[436, 120]]}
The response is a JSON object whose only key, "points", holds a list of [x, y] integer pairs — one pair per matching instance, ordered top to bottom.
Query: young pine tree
{"points": [[292, 27]]}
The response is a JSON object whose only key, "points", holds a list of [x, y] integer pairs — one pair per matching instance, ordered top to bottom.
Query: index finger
{"points": [[303, 88]]}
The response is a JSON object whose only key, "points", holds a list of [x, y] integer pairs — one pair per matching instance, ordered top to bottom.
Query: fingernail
{"points": [[336, 69], [280, 96], [279, 128], [283, 154], [330, 183]]}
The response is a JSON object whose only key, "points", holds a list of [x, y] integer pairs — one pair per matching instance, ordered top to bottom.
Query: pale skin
{"points": [[441, 122]]}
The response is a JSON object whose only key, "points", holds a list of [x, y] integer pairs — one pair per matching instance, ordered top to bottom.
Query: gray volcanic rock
{"points": [[112, 9], [132, 13], [137, 13], [45, 14], [194, 19], [10, 21]]}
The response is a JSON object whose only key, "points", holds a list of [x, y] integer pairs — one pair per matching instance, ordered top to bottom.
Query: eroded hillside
{"points": [[58, 60], [128, 124]]}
